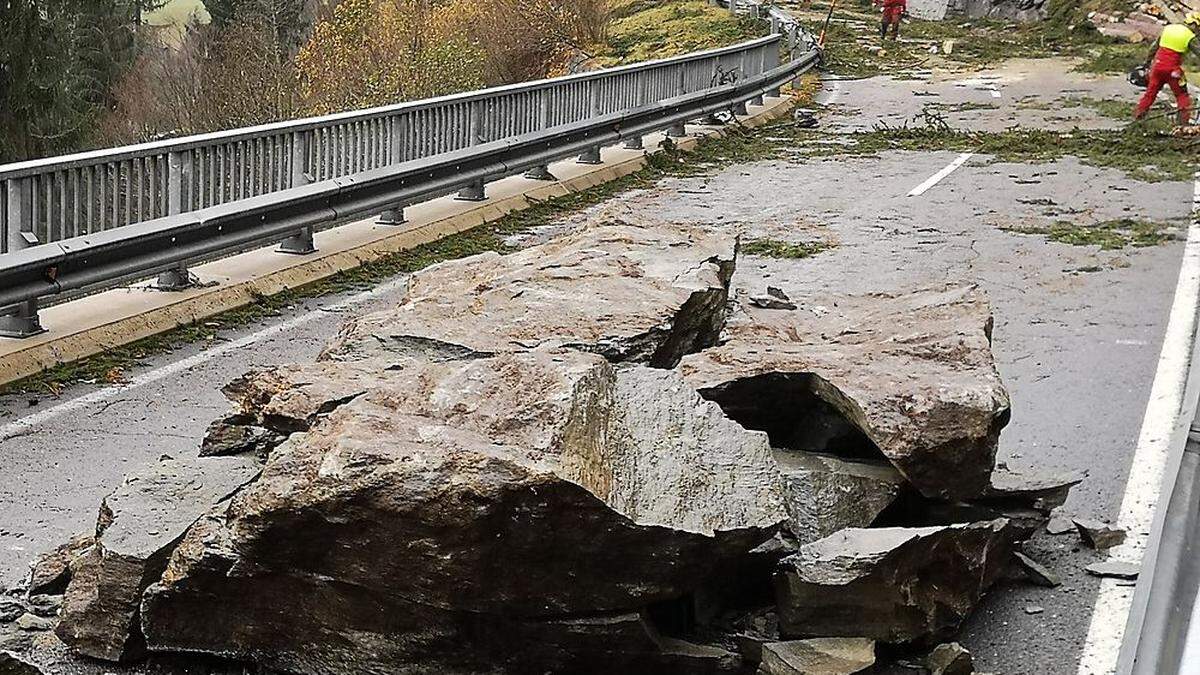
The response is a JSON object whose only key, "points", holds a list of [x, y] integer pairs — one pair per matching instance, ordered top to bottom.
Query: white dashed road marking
{"points": [[937, 177]]}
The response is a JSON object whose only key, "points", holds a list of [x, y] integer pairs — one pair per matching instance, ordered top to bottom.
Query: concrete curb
{"points": [[96, 323]]}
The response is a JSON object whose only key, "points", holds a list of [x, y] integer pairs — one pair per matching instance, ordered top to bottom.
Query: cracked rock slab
{"points": [[633, 294], [907, 376], [453, 504], [137, 529], [879, 583]]}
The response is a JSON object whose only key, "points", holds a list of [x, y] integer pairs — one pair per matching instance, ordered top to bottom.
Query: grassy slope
{"points": [[176, 13], [652, 29]]}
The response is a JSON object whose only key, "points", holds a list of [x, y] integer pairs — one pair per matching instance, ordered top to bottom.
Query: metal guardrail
{"points": [[83, 220], [1162, 633]]}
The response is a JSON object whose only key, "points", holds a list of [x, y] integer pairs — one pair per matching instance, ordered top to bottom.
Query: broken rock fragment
{"points": [[633, 294], [909, 377], [530, 490], [824, 494], [139, 524], [1099, 535], [1115, 569], [1035, 571], [51, 572], [876, 582], [819, 656], [949, 658]]}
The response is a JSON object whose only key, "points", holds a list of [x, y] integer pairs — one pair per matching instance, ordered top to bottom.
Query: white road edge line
{"points": [[937, 177], [32, 420], [1103, 644]]}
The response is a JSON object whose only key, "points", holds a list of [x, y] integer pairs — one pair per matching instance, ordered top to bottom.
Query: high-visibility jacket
{"points": [[1172, 44]]}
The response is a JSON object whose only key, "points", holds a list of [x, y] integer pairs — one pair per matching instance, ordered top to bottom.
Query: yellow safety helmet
{"points": [[1192, 19]]}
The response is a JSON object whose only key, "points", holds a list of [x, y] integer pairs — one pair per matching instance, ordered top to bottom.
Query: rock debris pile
{"points": [[583, 457]]}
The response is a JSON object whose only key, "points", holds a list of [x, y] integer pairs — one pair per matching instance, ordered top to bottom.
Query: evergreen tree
{"points": [[59, 60]]}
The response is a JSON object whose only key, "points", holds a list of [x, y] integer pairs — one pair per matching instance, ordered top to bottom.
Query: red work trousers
{"points": [[1157, 78]]}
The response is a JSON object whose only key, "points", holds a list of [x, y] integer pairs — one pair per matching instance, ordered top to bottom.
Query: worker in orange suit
{"points": [[892, 11], [1165, 67]]}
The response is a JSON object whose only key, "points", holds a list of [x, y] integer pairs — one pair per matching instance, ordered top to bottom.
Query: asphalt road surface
{"points": [[1077, 334]]}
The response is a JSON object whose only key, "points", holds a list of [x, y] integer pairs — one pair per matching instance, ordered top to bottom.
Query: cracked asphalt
{"points": [[1076, 337]]}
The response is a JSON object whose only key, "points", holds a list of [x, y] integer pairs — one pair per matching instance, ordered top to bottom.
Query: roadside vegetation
{"points": [[80, 74]]}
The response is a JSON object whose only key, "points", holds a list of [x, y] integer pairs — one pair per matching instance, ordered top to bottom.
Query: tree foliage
{"points": [[288, 21], [217, 79]]}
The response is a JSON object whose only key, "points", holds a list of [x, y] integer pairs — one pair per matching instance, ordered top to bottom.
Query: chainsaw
{"points": [[1139, 77]]}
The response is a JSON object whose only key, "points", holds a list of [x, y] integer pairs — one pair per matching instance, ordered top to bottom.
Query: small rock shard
{"points": [[774, 299], [824, 494], [1060, 525], [1099, 535], [1115, 569], [1035, 571], [50, 573], [872, 582], [100, 608], [1034, 609], [32, 622], [819, 656], [949, 659]]}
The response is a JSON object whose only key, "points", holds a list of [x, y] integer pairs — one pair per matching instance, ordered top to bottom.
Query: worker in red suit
{"points": [[892, 11], [1165, 66]]}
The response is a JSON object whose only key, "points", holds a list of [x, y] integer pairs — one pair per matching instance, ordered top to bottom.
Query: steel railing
{"points": [[101, 211]]}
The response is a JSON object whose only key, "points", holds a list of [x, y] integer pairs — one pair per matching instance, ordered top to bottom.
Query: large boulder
{"points": [[637, 294], [909, 377], [456, 505], [137, 529], [891, 584]]}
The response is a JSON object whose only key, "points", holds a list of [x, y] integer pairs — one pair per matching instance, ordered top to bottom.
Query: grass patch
{"points": [[642, 30], [1111, 59], [1116, 109], [1144, 151], [1109, 235], [774, 248], [111, 366]]}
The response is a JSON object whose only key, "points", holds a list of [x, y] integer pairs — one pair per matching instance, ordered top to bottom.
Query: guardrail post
{"points": [[733, 6], [774, 25], [770, 61], [678, 129], [399, 130], [592, 154], [542, 171], [178, 173], [475, 192], [300, 243], [20, 320]]}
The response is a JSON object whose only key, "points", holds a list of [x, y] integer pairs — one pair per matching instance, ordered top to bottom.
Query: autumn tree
{"points": [[377, 52]]}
